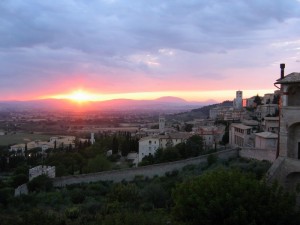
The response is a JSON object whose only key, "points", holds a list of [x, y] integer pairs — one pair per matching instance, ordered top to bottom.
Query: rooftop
{"points": [[291, 78], [272, 118], [250, 122], [241, 126], [179, 135], [267, 135]]}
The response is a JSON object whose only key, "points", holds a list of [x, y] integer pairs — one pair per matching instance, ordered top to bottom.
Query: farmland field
{"points": [[19, 138]]}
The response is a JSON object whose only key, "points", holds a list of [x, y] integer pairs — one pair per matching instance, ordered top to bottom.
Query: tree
{"points": [[257, 100], [188, 127], [225, 138], [115, 145], [194, 146], [26, 151], [170, 154], [98, 164], [19, 179], [40, 183], [155, 194], [5, 195], [125, 195], [232, 197]]}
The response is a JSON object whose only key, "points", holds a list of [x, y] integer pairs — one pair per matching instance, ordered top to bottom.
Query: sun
{"points": [[78, 96], [81, 96]]}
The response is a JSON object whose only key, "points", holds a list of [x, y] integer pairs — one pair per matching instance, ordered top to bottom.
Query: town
{"points": [[252, 124], [135, 139], [45, 150]]}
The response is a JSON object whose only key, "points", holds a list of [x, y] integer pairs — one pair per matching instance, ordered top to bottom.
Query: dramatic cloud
{"points": [[113, 46]]}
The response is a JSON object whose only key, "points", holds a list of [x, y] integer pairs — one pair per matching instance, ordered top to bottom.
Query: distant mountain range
{"points": [[167, 103]]}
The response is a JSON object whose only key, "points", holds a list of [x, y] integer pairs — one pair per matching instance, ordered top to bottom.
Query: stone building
{"points": [[268, 98], [238, 101], [263, 111], [226, 113], [290, 116], [161, 124], [271, 124], [211, 134], [240, 135], [266, 140], [149, 145], [286, 168], [40, 170]]}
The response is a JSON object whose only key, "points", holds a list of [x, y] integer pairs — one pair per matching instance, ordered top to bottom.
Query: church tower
{"points": [[238, 101], [162, 123]]}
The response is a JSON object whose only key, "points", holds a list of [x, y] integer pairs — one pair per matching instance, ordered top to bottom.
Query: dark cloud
{"points": [[49, 40]]}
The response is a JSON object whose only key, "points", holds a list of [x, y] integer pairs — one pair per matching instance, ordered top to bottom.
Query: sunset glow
{"points": [[206, 56], [79, 96]]}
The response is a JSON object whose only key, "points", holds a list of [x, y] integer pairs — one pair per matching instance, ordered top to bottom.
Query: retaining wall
{"points": [[259, 154], [145, 171]]}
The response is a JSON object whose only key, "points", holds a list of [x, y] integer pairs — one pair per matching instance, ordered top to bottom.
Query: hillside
{"points": [[205, 109], [198, 113]]}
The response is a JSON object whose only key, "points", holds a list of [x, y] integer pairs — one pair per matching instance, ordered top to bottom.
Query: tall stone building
{"points": [[238, 101], [290, 116], [162, 124], [286, 168]]}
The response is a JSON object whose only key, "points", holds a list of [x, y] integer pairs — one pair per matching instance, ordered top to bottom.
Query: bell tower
{"points": [[162, 123]]}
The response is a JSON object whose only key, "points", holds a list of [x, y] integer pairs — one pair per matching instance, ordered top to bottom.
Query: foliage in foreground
{"points": [[213, 188], [232, 197]]}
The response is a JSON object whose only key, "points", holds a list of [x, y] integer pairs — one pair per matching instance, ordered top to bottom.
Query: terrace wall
{"points": [[145, 171]]}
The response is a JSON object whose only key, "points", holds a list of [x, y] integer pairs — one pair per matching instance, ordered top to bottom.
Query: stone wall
{"points": [[259, 154], [39, 170], [145, 171], [21, 190]]}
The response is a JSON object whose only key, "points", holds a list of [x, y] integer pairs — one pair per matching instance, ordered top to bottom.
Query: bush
{"points": [[211, 159], [19, 179], [40, 183], [5, 195], [77, 196], [231, 197]]}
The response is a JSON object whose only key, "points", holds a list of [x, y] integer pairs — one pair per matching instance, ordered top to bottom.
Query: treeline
{"points": [[83, 158], [94, 158], [223, 192]]}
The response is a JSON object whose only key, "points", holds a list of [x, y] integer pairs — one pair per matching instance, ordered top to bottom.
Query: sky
{"points": [[144, 49]]}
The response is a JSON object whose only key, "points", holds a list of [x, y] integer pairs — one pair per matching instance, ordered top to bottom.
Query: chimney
{"points": [[282, 66]]}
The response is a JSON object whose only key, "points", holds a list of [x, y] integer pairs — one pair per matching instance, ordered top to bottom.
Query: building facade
{"points": [[290, 116], [240, 135], [266, 140], [149, 145]]}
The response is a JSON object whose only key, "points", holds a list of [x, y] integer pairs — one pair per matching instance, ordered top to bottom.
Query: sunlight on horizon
{"points": [[81, 96]]}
